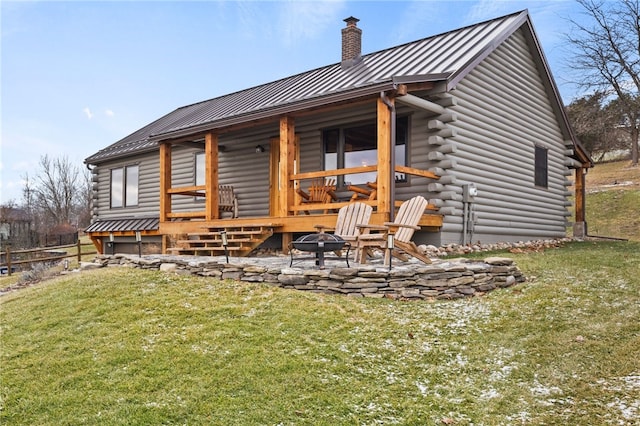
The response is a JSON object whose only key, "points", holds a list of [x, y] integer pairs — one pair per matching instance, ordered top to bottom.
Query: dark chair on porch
{"points": [[227, 201]]}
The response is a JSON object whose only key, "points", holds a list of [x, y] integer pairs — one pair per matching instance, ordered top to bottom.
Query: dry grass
{"points": [[614, 175], [613, 200], [120, 346]]}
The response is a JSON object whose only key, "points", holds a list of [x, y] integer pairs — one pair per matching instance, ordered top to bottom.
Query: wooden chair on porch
{"points": [[321, 191], [369, 192], [227, 201], [402, 229]]}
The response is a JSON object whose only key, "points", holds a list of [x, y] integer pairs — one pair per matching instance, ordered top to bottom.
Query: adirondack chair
{"points": [[321, 191], [368, 193], [227, 201], [349, 217], [402, 228]]}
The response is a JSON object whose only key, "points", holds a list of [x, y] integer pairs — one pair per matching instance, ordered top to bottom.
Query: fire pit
{"points": [[319, 244]]}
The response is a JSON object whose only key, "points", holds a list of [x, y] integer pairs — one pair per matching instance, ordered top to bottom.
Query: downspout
{"points": [[392, 156]]}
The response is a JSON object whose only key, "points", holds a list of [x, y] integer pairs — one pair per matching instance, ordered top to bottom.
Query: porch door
{"points": [[274, 175]]}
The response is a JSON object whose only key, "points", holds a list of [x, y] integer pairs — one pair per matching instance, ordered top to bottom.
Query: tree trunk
{"points": [[634, 147]]}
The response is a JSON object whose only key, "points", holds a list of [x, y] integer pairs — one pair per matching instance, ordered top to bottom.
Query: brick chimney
{"points": [[351, 43]]}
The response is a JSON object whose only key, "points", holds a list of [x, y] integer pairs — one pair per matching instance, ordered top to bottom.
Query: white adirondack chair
{"points": [[349, 218], [402, 228]]}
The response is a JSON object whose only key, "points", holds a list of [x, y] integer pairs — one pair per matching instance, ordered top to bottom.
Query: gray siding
{"points": [[503, 113], [239, 166], [247, 170], [148, 188]]}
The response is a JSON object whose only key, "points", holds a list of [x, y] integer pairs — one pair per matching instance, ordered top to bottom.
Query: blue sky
{"points": [[77, 76]]}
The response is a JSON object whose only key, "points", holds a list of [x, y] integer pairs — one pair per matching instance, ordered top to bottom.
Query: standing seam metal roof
{"points": [[442, 56], [125, 225]]}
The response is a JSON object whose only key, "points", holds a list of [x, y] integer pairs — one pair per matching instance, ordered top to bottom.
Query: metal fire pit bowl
{"points": [[319, 244]]}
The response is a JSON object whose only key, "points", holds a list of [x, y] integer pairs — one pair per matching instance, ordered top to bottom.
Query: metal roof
{"points": [[445, 57], [124, 225]]}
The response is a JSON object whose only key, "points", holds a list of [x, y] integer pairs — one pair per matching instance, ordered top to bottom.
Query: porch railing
{"points": [[348, 171], [198, 191]]}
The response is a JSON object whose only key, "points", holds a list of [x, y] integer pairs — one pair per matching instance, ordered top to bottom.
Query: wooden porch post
{"points": [[287, 155], [385, 168], [286, 169], [211, 176], [165, 180], [580, 224]]}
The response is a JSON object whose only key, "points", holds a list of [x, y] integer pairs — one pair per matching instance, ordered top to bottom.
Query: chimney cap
{"points": [[351, 21]]}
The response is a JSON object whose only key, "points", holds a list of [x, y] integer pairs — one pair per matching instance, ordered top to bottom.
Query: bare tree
{"points": [[607, 56], [598, 124], [54, 191], [85, 193]]}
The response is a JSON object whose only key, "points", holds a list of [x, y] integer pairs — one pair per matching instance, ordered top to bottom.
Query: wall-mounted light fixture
{"points": [[259, 148]]}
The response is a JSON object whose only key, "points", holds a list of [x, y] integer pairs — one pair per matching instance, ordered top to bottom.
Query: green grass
{"points": [[613, 200], [614, 213], [121, 346]]}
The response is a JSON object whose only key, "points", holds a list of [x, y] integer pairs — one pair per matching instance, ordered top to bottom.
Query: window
{"points": [[357, 146], [541, 167], [199, 172], [124, 186]]}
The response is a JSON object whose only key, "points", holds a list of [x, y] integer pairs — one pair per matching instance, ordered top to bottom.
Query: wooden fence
{"points": [[9, 259]]}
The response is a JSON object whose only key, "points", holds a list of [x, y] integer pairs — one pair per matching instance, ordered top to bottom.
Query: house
{"points": [[471, 119], [16, 228]]}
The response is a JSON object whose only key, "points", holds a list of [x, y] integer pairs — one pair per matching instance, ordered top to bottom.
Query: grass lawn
{"points": [[613, 200], [119, 346]]}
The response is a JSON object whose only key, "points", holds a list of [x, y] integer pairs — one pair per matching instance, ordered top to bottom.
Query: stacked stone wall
{"points": [[451, 279]]}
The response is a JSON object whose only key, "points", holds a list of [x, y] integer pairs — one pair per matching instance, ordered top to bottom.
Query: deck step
{"points": [[241, 240]]}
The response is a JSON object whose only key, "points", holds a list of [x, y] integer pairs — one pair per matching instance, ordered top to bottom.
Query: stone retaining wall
{"points": [[451, 279]]}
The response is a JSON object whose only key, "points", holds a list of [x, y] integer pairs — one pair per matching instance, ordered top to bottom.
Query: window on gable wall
{"points": [[356, 146], [541, 177], [124, 186]]}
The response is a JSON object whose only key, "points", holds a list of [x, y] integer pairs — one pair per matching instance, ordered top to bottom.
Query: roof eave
{"points": [[276, 111]]}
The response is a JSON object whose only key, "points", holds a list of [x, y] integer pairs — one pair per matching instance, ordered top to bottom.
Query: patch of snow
{"points": [[422, 388], [489, 394]]}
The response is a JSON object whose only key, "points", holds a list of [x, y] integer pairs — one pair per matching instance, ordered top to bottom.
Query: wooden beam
{"points": [[384, 157], [285, 168], [416, 172], [325, 173], [211, 176], [274, 177], [165, 181], [187, 190], [580, 195], [187, 215], [296, 224]]}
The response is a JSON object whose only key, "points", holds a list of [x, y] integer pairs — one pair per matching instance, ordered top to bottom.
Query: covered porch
{"points": [[289, 214]]}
